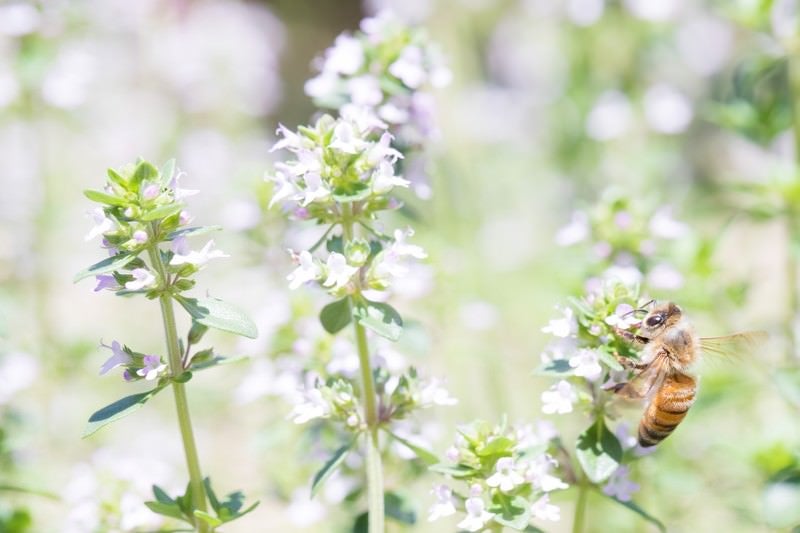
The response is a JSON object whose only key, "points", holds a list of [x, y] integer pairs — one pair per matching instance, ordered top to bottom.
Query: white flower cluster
{"points": [[383, 70], [519, 474]]}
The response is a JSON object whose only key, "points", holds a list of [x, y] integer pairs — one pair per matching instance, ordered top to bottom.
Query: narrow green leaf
{"points": [[144, 171], [167, 171], [114, 176], [104, 198], [162, 212], [192, 232], [109, 264], [217, 314], [336, 315], [381, 318], [217, 361], [558, 367], [120, 408], [498, 445], [599, 452], [425, 456], [330, 467], [456, 471], [30, 491], [162, 496], [212, 496], [399, 508], [171, 510], [644, 514], [212, 521]]}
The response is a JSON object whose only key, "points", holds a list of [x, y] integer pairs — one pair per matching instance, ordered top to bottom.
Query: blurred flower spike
{"points": [[383, 71], [506, 476]]}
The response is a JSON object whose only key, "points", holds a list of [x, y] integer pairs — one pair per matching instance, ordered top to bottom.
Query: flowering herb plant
{"points": [[142, 209]]}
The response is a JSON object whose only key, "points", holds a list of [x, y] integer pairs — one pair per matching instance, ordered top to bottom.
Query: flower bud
{"points": [[357, 252]]}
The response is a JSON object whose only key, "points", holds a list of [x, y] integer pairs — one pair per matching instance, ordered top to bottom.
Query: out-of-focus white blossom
{"points": [[559, 398]]}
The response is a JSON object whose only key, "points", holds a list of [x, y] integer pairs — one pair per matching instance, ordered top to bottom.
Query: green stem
{"points": [[793, 218], [179, 390], [374, 464], [580, 507]]}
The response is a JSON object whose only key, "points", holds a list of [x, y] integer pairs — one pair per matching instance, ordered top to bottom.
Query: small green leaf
{"points": [[144, 171], [167, 171], [116, 178], [103, 198], [162, 212], [192, 232], [335, 244], [109, 264], [217, 314], [336, 316], [381, 318], [217, 361], [557, 367], [183, 377], [118, 409], [498, 445], [598, 451], [425, 456], [330, 467], [456, 471], [162, 496], [399, 508], [171, 510], [641, 512], [514, 513], [212, 521]]}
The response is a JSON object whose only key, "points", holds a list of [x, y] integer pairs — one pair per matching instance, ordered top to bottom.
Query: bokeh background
{"points": [[556, 107]]}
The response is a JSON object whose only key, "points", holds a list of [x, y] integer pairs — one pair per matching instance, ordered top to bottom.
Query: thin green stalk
{"points": [[793, 217], [179, 390], [374, 464], [580, 507]]}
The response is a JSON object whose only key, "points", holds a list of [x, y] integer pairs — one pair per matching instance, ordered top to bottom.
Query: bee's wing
{"points": [[733, 345], [645, 382]]}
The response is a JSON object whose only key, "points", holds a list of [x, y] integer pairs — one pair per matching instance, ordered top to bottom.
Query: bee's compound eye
{"points": [[654, 320]]}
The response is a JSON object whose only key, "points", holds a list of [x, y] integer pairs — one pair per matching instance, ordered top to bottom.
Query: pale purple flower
{"points": [[345, 56], [409, 67], [320, 86], [365, 90], [364, 119], [347, 139], [291, 140], [383, 150], [384, 179], [283, 188], [315, 189], [151, 191], [177, 192], [185, 217], [623, 220], [102, 223], [664, 225], [576, 231], [140, 236], [402, 248], [183, 255], [307, 270], [338, 272], [665, 276], [142, 279], [106, 281], [622, 318], [564, 326], [560, 348], [118, 357], [586, 364], [152, 367], [433, 393], [558, 398], [312, 405], [529, 436], [452, 454], [538, 474], [505, 476], [620, 485], [445, 503], [542, 509], [477, 516]]}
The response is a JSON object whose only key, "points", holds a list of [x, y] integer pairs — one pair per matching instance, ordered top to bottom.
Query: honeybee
{"points": [[670, 347]]}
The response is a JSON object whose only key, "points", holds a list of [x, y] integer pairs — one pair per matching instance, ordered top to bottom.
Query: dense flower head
{"points": [[383, 70], [337, 162], [141, 207], [507, 477]]}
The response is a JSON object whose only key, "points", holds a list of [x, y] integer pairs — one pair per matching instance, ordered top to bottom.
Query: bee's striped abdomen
{"points": [[667, 409]]}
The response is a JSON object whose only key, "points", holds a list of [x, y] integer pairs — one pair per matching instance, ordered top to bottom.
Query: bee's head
{"points": [[659, 318]]}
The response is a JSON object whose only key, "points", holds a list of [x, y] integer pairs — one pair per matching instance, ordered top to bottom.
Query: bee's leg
{"points": [[630, 337], [632, 364]]}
